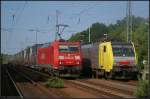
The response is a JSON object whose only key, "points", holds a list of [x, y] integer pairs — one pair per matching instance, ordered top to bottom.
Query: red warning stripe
{"points": [[124, 62]]}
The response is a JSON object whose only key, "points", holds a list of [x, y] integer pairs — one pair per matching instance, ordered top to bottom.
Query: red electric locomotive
{"points": [[62, 58]]}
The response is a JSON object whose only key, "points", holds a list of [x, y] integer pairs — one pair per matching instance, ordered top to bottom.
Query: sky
{"points": [[18, 18]]}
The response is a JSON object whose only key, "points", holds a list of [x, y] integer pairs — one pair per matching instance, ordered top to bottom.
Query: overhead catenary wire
{"points": [[67, 3], [93, 5], [82, 11], [19, 15], [49, 19], [14, 22], [24, 29], [9, 30]]}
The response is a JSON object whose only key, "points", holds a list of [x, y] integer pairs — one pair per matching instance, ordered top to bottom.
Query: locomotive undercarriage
{"points": [[66, 71], [118, 72], [122, 72]]}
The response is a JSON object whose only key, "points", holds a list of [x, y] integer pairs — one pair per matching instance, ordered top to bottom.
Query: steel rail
{"points": [[26, 77], [18, 90], [105, 90]]}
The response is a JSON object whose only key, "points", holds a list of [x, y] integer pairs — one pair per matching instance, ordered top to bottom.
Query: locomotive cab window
{"points": [[63, 48], [68, 48], [74, 48], [117, 51], [123, 51], [128, 51]]}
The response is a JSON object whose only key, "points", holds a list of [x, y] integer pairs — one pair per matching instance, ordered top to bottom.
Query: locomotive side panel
{"points": [[93, 51], [34, 53], [55, 54], [47, 55], [90, 55], [27, 56], [39, 56], [43, 56], [105, 56], [66, 58], [90, 59], [51, 60]]}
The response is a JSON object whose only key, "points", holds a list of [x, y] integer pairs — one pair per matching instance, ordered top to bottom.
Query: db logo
{"points": [[43, 56]]}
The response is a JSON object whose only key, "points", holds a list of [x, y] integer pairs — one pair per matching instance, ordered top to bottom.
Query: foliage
{"points": [[97, 31], [117, 32], [1, 58], [4, 59], [54, 82], [142, 89]]}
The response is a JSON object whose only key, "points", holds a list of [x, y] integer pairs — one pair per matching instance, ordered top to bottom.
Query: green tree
{"points": [[117, 32]]}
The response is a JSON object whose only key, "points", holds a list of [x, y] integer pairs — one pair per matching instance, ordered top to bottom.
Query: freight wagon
{"points": [[29, 55], [26, 57], [110, 60]]}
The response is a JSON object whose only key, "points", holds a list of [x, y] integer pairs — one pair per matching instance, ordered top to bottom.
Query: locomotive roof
{"points": [[97, 43], [115, 43], [121, 43], [45, 45], [90, 45]]}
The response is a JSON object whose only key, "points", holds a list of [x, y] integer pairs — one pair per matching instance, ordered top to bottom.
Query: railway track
{"points": [[125, 82], [133, 82], [115, 84], [9, 87], [29, 87], [103, 87], [17, 89], [106, 90], [66, 92]]}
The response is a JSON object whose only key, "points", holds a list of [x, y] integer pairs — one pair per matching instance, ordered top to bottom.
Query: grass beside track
{"points": [[54, 82], [142, 90]]}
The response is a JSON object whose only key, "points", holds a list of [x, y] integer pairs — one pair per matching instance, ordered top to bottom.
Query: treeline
{"points": [[117, 32], [4, 58]]}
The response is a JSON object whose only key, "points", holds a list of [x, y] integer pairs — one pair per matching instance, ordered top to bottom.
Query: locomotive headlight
{"points": [[61, 57], [77, 57]]}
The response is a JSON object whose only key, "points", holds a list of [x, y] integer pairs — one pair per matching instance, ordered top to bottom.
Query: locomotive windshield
{"points": [[68, 48], [123, 51]]}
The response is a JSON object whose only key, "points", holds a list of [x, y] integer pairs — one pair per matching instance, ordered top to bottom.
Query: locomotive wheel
{"points": [[51, 72], [93, 74], [96, 74], [108, 75], [134, 75]]}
